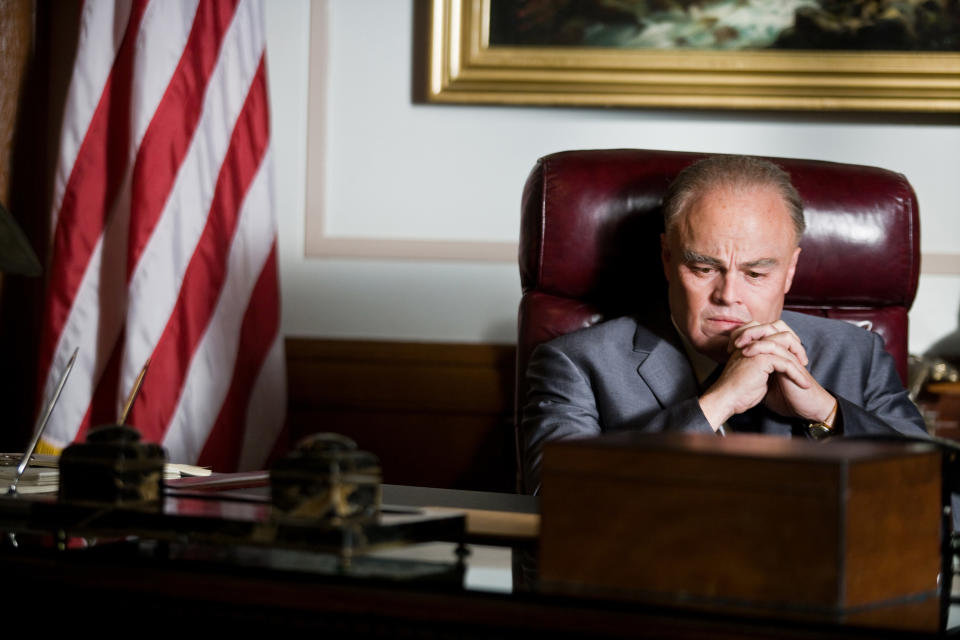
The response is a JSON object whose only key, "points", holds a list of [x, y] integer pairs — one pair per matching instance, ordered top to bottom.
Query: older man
{"points": [[724, 357]]}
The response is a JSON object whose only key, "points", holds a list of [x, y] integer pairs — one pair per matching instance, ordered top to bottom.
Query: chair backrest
{"points": [[590, 244]]}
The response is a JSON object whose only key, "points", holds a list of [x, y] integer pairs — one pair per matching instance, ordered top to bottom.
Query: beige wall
{"points": [[389, 178]]}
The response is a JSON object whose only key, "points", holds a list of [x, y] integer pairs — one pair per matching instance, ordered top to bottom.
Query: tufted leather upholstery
{"points": [[590, 248]]}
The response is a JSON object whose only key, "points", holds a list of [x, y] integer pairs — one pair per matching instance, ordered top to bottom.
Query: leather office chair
{"points": [[590, 245]]}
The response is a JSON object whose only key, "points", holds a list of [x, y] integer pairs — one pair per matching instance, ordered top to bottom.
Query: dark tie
{"points": [[710, 379], [750, 421]]}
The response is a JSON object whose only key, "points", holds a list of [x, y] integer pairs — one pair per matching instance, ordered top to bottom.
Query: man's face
{"points": [[729, 260]]}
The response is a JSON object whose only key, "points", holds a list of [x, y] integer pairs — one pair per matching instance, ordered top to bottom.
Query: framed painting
{"points": [[833, 55]]}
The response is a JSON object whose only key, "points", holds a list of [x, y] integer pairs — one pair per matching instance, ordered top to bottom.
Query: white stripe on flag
{"points": [[101, 29], [163, 35], [155, 285], [105, 315], [96, 316], [207, 380], [267, 411]]}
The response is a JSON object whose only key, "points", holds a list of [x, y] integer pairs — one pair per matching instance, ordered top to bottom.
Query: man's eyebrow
{"points": [[692, 257], [762, 262]]}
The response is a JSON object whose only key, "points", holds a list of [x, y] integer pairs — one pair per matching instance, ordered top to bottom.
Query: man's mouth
{"points": [[725, 322]]}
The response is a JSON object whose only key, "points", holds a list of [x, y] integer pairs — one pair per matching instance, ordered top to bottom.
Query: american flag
{"points": [[164, 243]]}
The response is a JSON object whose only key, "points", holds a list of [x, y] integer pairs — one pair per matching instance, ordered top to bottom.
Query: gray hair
{"points": [[733, 171]]}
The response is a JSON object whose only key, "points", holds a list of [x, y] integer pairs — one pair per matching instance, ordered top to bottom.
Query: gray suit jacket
{"points": [[624, 375]]}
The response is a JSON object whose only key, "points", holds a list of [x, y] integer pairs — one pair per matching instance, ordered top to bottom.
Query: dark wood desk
{"points": [[139, 587], [191, 594]]}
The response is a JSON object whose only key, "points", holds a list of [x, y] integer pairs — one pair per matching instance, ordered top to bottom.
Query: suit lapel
{"points": [[663, 365]]}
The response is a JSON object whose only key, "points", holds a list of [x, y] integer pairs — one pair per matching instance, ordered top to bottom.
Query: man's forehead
{"points": [[750, 216]]}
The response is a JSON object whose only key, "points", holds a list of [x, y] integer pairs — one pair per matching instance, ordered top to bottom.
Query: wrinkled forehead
{"points": [[758, 212]]}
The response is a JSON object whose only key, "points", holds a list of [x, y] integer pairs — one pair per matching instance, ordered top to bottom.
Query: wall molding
{"points": [[314, 228], [317, 243], [321, 246], [940, 263]]}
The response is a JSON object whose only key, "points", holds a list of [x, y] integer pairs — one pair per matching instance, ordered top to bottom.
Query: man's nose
{"points": [[726, 290]]}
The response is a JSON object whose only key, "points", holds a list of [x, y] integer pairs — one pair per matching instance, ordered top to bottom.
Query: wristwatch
{"points": [[821, 430]]}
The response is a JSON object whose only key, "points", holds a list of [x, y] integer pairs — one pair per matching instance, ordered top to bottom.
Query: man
{"points": [[725, 357]]}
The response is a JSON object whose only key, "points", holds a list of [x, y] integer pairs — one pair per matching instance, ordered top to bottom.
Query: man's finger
{"points": [[739, 331], [754, 331], [748, 333], [788, 341], [780, 344], [777, 359], [789, 368]]}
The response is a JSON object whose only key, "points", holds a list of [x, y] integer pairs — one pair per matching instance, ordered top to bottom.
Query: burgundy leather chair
{"points": [[590, 244]]}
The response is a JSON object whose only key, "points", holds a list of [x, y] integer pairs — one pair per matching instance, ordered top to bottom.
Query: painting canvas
{"points": [[730, 25], [839, 55]]}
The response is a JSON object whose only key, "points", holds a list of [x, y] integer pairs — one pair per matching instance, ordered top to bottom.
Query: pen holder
{"points": [[113, 467], [326, 478]]}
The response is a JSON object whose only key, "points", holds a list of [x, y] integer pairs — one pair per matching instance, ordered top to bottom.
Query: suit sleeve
{"points": [[561, 403], [886, 408]]}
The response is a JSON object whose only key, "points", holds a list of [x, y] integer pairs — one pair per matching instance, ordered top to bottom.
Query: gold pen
{"points": [[133, 393]]}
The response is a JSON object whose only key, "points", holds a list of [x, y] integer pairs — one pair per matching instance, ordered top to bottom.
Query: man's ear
{"points": [[665, 255], [791, 270]]}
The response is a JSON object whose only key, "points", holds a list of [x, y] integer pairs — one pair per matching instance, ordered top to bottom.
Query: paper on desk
{"points": [[36, 460], [186, 470], [31, 475], [43, 476]]}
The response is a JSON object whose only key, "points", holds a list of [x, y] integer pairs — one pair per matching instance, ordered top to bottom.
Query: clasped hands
{"points": [[767, 364]]}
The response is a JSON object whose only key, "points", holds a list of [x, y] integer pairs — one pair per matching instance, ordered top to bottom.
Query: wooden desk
{"points": [[492, 518], [744, 521], [143, 588], [195, 594]]}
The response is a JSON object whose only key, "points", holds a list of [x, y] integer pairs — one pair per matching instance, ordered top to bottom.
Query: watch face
{"points": [[819, 431]]}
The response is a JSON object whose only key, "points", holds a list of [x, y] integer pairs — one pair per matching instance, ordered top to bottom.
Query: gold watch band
{"points": [[820, 430]]}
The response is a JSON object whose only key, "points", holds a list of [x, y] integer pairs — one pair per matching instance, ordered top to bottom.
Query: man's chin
{"points": [[715, 347]]}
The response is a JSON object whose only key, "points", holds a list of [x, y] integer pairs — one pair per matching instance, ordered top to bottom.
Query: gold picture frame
{"points": [[465, 68]]}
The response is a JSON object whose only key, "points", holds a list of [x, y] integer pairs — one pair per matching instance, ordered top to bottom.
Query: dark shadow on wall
{"points": [[419, 51], [41, 92]]}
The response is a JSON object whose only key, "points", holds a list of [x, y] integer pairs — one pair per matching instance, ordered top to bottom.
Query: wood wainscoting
{"points": [[437, 415]]}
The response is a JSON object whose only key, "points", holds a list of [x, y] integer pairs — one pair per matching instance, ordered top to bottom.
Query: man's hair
{"points": [[729, 171]]}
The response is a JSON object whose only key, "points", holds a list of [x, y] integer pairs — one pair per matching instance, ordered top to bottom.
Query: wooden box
{"points": [[746, 520]]}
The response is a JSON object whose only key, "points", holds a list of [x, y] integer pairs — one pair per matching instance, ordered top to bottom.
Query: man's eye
{"points": [[701, 270], [755, 275]]}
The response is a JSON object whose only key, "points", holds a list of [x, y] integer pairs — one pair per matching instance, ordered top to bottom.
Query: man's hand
{"points": [[779, 332], [747, 376], [792, 391]]}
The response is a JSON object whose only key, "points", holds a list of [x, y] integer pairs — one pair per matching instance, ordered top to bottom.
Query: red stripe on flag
{"points": [[167, 138], [91, 189], [206, 272], [261, 322], [103, 405]]}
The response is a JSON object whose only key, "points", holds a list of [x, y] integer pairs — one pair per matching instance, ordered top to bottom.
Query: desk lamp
{"points": [[16, 254]]}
